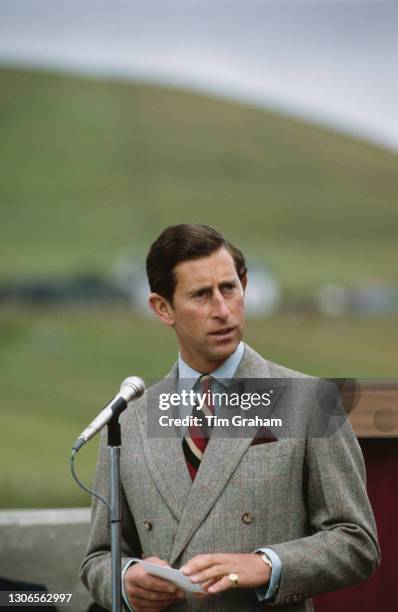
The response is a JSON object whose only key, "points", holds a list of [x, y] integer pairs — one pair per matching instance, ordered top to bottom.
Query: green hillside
{"points": [[94, 169], [90, 173]]}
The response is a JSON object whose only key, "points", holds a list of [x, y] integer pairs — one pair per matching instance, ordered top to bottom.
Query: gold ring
{"points": [[234, 578]]}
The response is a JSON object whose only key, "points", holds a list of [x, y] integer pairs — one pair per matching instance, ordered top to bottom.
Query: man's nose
{"points": [[219, 306]]}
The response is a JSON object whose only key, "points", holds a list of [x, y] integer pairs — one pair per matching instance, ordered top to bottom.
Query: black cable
{"points": [[82, 486]]}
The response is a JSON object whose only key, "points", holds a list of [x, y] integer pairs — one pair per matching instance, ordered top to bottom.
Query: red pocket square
{"points": [[263, 436]]}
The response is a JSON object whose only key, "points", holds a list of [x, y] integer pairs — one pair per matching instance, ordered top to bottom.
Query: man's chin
{"points": [[222, 352]]}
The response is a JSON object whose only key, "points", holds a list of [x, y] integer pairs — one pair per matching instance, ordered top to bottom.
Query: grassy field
{"points": [[91, 171], [60, 367]]}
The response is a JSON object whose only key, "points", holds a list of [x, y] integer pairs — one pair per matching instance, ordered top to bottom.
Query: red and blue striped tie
{"points": [[195, 442]]}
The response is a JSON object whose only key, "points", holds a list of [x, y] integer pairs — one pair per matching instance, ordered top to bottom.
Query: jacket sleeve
{"points": [[341, 548], [95, 571]]}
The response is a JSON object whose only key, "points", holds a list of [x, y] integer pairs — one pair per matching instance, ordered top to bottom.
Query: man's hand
{"points": [[211, 571], [149, 593]]}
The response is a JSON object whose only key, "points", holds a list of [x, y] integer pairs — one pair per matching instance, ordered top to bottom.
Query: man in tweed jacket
{"points": [[265, 521]]}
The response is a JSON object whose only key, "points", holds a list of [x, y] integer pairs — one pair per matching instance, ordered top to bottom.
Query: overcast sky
{"points": [[333, 61]]}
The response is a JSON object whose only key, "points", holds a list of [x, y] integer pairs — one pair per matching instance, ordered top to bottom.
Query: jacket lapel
{"points": [[164, 455], [221, 458]]}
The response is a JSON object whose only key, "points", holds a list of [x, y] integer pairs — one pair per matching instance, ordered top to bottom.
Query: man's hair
{"points": [[183, 242]]}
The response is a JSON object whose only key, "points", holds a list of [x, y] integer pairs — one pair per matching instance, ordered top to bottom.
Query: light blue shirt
{"points": [[226, 370], [187, 378]]}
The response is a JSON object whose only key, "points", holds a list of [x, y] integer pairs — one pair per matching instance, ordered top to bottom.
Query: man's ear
{"points": [[243, 282], [162, 308]]}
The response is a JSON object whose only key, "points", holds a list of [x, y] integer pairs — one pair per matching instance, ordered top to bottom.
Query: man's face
{"points": [[208, 310]]}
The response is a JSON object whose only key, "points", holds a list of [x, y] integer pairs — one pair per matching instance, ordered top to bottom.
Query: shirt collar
{"points": [[226, 370]]}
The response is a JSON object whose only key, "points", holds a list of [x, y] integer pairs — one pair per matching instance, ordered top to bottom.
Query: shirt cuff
{"points": [[264, 593], [124, 594]]}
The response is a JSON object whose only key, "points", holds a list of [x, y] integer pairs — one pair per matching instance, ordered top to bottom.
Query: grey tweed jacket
{"points": [[305, 497]]}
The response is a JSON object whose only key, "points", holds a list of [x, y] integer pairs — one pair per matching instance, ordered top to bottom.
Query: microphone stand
{"points": [[131, 388], [114, 444]]}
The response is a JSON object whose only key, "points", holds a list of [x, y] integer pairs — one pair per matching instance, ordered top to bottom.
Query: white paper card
{"points": [[172, 575]]}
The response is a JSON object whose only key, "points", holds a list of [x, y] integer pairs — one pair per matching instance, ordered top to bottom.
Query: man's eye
{"points": [[228, 288], [199, 294]]}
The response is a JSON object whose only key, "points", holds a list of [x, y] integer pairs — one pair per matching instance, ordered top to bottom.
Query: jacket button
{"points": [[247, 518], [147, 525]]}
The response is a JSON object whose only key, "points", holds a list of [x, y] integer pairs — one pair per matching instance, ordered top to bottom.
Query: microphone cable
{"points": [[83, 486]]}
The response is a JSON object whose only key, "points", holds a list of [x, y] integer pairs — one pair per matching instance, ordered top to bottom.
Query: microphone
{"points": [[131, 388]]}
